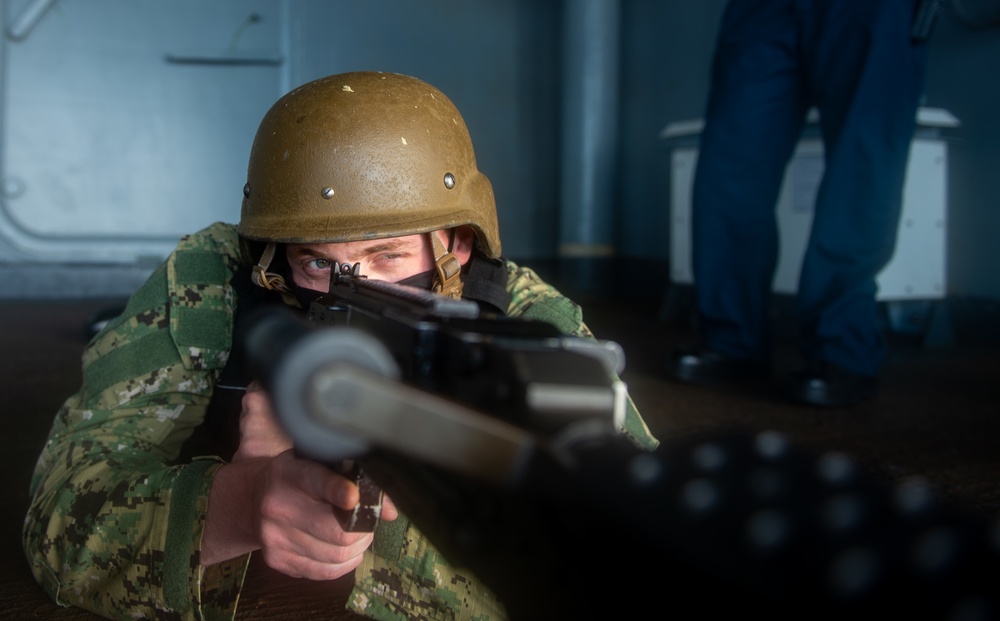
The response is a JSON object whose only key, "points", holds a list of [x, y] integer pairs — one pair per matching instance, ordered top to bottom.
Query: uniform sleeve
{"points": [[533, 298], [114, 525], [405, 577]]}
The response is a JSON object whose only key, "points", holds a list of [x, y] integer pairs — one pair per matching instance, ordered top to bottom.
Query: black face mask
{"points": [[423, 280], [306, 296]]}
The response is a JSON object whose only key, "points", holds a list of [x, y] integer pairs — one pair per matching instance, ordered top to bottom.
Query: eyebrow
{"points": [[379, 245]]}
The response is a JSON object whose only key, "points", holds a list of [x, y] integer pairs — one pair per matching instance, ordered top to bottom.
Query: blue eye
{"points": [[320, 264]]}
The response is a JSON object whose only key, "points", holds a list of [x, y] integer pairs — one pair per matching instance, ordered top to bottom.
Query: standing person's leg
{"points": [[867, 79], [757, 102]]}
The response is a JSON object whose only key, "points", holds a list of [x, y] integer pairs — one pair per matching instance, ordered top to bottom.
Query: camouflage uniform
{"points": [[116, 519]]}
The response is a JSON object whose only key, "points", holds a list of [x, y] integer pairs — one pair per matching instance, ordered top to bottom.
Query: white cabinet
{"points": [[917, 270]]}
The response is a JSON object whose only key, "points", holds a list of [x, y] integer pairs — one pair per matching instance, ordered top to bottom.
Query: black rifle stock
{"points": [[496, 438]]}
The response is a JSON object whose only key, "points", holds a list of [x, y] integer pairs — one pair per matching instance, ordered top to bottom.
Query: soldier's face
{"points": [[391, 259]]}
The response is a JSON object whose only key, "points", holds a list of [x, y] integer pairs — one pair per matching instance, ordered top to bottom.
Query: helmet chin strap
{"points": [[269, 280], [448, 281]]}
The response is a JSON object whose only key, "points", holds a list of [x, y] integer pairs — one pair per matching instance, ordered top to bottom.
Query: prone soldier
{"points": [[137, 509]]}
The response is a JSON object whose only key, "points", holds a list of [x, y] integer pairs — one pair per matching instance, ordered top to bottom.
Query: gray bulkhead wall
{"points": [[127, 123]]}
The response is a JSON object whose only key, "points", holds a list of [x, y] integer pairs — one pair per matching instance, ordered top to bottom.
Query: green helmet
{"points": [[364, 155]]}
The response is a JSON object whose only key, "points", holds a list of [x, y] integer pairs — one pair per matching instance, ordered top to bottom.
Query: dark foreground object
{"points": [[933, 427]]}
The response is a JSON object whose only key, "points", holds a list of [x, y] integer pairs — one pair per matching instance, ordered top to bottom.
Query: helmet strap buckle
{"points": [[448, 281]]}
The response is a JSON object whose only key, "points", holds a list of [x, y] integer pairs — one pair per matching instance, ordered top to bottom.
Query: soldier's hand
{"points": [[260, 433], [295, 523]]}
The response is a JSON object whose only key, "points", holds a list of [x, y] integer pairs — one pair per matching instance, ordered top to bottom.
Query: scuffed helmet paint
{"points": [[364, 155]]}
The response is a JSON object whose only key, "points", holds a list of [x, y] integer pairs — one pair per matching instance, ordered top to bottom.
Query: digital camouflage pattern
{"points": [[116, 516]]}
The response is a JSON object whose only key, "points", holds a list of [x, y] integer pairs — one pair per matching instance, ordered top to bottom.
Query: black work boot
{"points": [[701, 365], [826, 384]]}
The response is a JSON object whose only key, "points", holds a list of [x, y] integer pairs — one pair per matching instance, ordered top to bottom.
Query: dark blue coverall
{"points": [[853, 60]]}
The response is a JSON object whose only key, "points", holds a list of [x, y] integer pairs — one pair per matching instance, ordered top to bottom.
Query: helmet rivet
{"points": [[449, 180], [246, 190], [327, 192]]}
